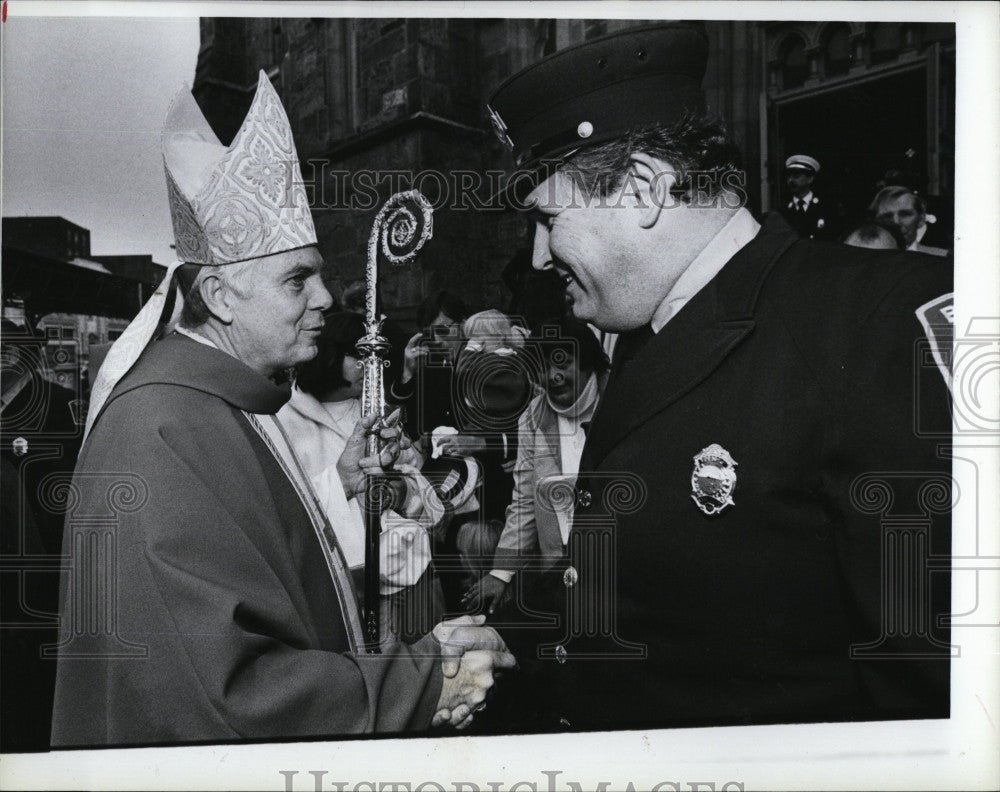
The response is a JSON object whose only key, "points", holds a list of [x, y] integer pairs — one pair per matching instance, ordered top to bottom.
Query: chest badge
{"points": [[713, 479]]}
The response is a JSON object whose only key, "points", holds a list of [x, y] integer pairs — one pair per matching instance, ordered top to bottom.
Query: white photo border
{"points": [[959, 753]]}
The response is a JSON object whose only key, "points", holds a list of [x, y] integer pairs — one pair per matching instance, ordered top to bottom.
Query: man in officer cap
{"points": [[805, 212], [726, 555]]}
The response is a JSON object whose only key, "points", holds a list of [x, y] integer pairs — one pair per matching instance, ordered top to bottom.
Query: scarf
{"points": [[581, 409]]}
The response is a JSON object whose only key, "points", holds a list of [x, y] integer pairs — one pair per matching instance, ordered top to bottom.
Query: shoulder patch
{"points": [[937, 317]]}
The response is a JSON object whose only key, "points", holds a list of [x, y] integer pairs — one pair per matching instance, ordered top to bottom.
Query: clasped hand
{"points": [[472, 655]]}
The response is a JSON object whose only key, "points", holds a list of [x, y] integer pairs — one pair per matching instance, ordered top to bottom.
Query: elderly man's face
{"points": [[903, 211], [279, 315]]}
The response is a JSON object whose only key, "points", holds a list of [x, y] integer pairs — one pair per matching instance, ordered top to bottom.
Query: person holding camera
{"points": [[424, 384], [465, 405], [551, 435]]}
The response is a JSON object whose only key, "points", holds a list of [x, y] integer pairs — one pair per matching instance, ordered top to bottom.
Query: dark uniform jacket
{"points": [[819, 220], [800, 359], [40, 423], [199, 605]]}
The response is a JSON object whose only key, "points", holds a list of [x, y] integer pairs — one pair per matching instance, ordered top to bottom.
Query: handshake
{"points": [[471, 656]]}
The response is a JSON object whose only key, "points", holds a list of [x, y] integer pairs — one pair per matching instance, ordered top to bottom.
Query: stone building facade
{"points": [[407, 96]]}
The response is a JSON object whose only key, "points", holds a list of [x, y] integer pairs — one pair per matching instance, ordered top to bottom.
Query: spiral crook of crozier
{"points": [[404, 224], [402, 227]]}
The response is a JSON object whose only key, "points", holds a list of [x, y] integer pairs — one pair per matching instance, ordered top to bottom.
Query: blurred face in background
{"points": [[799, 181], [904, 212], [445, 334], [353, 375], [564, 378]]}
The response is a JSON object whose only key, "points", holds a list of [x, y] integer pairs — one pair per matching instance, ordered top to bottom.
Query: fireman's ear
{"points": [[651, 183]]}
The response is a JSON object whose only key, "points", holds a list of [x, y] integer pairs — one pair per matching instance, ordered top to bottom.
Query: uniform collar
{"points": [[806, 199], [740, 229], [921, 231], [695, 342]]}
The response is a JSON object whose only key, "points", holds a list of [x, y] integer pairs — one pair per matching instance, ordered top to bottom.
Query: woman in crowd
{"points": [[319, 419], [552, 433]]}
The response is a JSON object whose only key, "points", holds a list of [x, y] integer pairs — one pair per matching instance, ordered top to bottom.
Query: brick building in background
{"points": [[410, 94], [71, 297]]}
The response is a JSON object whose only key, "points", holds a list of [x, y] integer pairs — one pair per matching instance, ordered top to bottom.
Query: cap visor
{"points": [[519, 184]]}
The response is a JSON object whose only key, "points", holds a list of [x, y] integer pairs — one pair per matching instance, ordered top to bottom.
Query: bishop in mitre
{"points": [[206, 598]]}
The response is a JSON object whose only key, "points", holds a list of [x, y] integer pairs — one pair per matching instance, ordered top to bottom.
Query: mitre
{"points": [[236, 203], [227, 204]]}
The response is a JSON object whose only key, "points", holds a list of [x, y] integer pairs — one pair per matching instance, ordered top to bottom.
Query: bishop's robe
{"points": [[197, 602]]}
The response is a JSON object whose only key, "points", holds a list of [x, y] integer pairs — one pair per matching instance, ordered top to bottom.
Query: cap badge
{"points": [[500, 128], [585, 129], [713, 479]]}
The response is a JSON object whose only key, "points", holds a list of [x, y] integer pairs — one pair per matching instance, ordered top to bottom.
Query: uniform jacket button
{"points": [[584, 498], [570, 576], [561, 654]]}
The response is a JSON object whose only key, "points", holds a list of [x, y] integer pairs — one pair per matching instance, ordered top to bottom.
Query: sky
{"points": [[83, 103]]}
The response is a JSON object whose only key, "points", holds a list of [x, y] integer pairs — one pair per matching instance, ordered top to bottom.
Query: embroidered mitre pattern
{"points": [[246, 200]]}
